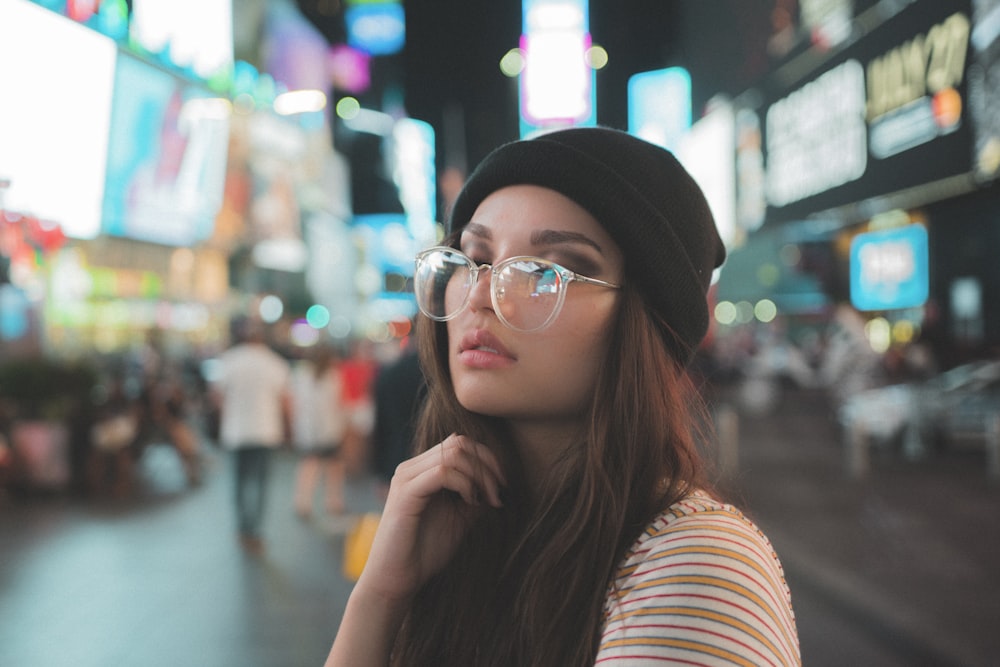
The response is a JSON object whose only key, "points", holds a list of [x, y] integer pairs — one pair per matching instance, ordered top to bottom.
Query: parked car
{"points": [[956, 408]]}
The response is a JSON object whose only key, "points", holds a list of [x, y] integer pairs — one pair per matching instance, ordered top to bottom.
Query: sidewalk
{"points": [[909, 556], [160, 580]]}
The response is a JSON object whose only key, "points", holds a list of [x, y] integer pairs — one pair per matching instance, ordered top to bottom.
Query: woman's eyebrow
{"points": [[476, 229], [554, 237]]}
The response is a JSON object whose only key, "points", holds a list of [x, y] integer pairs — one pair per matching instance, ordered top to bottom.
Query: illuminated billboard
{"points": [[193, 34], [556, 84], [55, 105], [886, 112], [708, 152], [166, 157], [413, 171]]}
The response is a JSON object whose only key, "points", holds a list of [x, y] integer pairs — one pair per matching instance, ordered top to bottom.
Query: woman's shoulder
{"points": [[699, 516], [702, 535], [701, 574]]}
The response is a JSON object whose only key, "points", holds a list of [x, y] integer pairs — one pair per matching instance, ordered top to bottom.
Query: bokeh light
{"points": [[596, 57], [512, 63], [299, 101], [348, 107], [790, 254], [768, 274], [270, 309], [765, 310], [725, 312], [318, 316], [339, 327], [904, 331], [303, 334], [879, 334]]}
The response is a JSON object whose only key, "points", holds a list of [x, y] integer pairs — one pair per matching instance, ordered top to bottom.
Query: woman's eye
{"points": [[479, 257], [578, 266]]}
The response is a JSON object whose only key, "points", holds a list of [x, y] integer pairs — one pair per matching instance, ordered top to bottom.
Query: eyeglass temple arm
{"points": [[595, 281]]}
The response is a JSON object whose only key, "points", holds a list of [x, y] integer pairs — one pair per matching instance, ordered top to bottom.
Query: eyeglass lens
{"points": [[439, 279], [526, 292]]}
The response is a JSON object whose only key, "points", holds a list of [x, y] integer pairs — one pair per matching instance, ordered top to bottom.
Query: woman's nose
{"points": [[480, 296]]}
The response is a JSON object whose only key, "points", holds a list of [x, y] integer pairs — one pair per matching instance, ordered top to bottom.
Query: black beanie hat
{"points": [[642, 196]]}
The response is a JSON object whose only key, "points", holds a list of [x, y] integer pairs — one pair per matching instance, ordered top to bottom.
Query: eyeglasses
{"points": [[527, 292]]}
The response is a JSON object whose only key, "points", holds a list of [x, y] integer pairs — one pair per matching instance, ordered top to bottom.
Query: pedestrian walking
{"points": [[253, 394], [319, 424], [557, 511]]}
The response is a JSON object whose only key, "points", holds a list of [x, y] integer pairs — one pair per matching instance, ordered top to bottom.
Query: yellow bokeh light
{"points": [[597, 57], [512, 63], [348, 107], [790, 254], [768, 274], [765, 310], [725, 312], [903, 331], [879, 333]]}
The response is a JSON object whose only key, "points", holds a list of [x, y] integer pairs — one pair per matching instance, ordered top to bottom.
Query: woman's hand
{"points": [[433, 500]]}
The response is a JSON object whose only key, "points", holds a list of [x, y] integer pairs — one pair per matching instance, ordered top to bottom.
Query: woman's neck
{"points": [[540, 444]]}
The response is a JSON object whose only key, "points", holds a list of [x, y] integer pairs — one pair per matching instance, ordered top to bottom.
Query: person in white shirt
{"points": [[253, 388]]}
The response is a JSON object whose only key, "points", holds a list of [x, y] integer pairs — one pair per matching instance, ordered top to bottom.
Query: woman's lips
{"points": [[481, 349]]}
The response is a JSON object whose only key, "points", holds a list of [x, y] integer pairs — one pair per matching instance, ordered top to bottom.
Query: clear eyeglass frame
{"points": [[428, 260]]}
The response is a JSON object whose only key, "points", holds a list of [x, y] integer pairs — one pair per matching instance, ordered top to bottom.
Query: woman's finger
{"points": [[472, 458], [454, 468], [461, 477], [447, 478]]}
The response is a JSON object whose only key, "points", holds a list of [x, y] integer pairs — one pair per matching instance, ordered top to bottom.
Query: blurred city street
{"points": [[174, 176], [899, 568]]}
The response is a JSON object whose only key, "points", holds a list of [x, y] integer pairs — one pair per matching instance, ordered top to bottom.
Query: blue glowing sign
{"points": [[377, 28], [659, 106], [889, 269], [14, 312]]}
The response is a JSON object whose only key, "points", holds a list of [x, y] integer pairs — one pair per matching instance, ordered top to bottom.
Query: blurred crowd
{"points": [[752, 365], [119, 407], [92, 421]]}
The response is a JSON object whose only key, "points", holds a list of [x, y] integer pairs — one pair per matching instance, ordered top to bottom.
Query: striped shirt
{"points": [[701, 586]]}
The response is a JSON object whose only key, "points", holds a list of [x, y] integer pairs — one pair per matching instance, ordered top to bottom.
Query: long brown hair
{"points": [[528, 585]]}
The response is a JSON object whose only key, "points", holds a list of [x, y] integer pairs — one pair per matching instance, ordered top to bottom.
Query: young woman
{"points": [[557, 510]]}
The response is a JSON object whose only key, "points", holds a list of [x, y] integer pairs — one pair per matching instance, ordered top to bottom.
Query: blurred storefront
{"points": [[867, 173], [129, 174], [186, 187], [104, 293]]}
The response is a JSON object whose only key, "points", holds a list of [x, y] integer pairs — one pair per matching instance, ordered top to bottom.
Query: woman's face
{"points": [[545, 376]]}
